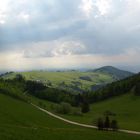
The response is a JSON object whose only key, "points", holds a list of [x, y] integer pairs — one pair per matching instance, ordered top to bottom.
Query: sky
{"points": [[73, 34]]}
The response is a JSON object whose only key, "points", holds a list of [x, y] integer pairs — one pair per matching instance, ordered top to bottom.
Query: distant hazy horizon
{"points": [[69, 34], [69, 69]]}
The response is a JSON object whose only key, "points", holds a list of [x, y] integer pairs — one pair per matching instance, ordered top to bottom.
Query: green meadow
{"points": [[66, 79], [126, 109], [21, 121]]}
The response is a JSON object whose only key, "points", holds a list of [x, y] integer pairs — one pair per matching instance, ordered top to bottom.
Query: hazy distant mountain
{"points": [[115, 72]]}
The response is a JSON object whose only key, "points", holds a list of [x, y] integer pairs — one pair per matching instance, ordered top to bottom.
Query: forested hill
{"points": [[115, 72], [74, 81], [131, 84], [22, 89]]}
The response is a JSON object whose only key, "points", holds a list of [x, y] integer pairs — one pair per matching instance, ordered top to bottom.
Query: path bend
{"points": [[80, 124]]}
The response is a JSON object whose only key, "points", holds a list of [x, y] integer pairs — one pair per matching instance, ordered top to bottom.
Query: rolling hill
{"points": [[115, 72], [74, 81], [120, 99], [124, 108], [21, 121]]}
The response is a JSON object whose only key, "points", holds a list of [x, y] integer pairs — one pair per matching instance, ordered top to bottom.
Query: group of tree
{"points": [[6, 73], [18, 86], [13, 88], [116, 88], [137, 89], [39, 90], [56, 95], [83, 99], [85, 106], [62, 108], [106, 124]]}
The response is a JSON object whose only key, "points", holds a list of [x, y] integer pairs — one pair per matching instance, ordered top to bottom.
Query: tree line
{"points": [[130, 84], [17, 86], [107, 124]]}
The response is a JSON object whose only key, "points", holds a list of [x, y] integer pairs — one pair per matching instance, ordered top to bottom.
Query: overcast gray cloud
{"points": [[83, 28]]}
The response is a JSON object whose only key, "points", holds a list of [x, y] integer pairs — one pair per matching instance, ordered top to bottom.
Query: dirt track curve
{"points": [[80, 124]]}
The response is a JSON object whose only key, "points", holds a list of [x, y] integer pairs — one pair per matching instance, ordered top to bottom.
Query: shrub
{"points": [[137, 89], [41, 104], [85, 107], [63, 108], [77, 113], [107, 123], [100, 124], [114, 125]]}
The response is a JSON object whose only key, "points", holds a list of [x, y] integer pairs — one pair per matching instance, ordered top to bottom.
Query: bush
{"points": [[19, 78], [137, 89], [42, 104], [85, 107], [63, 108], [77, 113], [107, 123], [100, 124], [114, 125]]}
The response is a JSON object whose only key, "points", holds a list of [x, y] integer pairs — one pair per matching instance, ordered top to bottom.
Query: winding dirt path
{"points": [[80, 124]]}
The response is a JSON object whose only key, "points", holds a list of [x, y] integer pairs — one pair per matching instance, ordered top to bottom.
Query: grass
{"points": [[68, 77], [125, 107], [21, 121]]}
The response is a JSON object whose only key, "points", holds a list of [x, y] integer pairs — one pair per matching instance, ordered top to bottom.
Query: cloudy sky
{"points": [[44, 34]]}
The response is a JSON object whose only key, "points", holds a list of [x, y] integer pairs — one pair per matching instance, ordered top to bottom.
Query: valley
{"points": [[74, 80], [25, 102], [22, 121]]}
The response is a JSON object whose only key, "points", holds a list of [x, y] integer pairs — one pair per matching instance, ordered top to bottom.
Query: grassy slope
{"points": [[58, 77], [126, 108], [21, 121]]}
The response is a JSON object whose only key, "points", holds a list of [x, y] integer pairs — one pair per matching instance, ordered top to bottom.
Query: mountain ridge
{"points": [[117, 73]]}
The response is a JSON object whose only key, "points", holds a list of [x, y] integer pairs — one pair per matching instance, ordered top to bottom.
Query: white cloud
{"points": [[4, 5], [104, 6], [87, 7], [96, 7], [3, 11], [11, 12], [23, 16], [129, 18], [2, 21], [62, 29], [69, 48], [53, 49], [16, 61]]}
